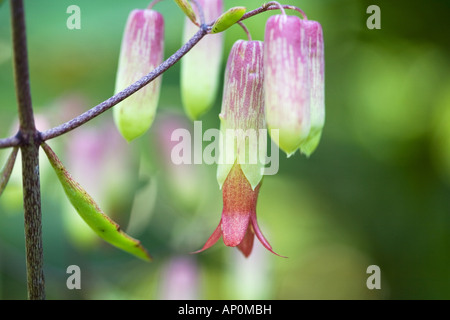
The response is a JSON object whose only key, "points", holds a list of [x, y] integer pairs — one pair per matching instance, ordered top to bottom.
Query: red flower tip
{"points": [[238, 225]]}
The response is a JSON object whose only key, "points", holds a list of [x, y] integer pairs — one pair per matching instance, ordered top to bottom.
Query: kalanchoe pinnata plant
{"points": [[142, 51], [293, 62], [200, 68], [292, 80], [242, 117]]}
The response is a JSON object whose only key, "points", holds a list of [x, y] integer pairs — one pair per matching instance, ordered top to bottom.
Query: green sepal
{"points": [[311, 143], [232, 151]]}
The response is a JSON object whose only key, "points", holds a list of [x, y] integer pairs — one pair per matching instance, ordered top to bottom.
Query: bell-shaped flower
{"points": [[142, 51], [200, 68], [294, 81], [242, 122], [239, 171], [238, 225]]}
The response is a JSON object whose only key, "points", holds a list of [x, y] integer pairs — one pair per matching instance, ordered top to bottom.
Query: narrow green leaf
{"points": [[187, 9], [227, 19], [7, 169], [91, 213]]}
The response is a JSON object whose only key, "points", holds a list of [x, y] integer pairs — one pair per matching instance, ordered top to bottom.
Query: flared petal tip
{"points": [[261, 237], [212, 239], [276, 253]]}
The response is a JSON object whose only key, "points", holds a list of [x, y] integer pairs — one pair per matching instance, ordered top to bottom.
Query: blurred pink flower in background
{"points": [[180, 279]]}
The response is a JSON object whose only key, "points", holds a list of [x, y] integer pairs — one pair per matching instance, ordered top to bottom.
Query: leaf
{"points": [[187, 9], [227, 19], [5, 174], [91, 213]]}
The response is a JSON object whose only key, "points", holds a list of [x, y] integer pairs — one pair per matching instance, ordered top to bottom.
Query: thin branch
{"points": [[152, 4], [271, 6], [22, 76], [111, 102], [107, 104], [9, 142], [30, 156]]}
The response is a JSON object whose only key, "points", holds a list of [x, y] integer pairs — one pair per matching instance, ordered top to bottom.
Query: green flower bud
{"points": [[227, 19]]}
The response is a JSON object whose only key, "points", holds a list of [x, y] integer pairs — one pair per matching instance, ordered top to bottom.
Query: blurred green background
{"points": [[376, 191]]}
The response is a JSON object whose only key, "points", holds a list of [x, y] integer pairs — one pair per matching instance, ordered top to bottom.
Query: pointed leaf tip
{"points": [[91, 213]]}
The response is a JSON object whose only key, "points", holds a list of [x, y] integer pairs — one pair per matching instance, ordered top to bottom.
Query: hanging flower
{"points": [[142, 51], [200, 68], [294, 84], [240, 178], [238, 224]]}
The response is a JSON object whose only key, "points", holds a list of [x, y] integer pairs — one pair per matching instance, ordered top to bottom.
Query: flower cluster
{"points": [[279, 82], [275, 84], [242, 109]]}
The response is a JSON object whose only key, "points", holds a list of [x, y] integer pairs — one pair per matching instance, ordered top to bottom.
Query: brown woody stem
{"points": [[29, 146]]}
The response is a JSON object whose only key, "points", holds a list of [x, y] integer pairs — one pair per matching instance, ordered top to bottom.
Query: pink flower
{"points": [[142, 50], [294, 82], [242, 113], [238, 224]]}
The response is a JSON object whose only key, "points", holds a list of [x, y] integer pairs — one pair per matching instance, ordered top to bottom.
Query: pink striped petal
{"points": [[287, 85]]}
